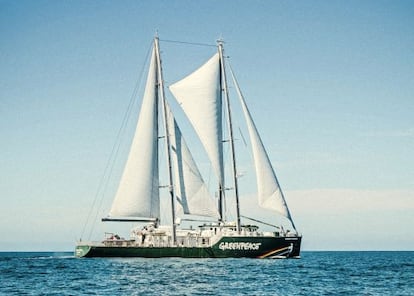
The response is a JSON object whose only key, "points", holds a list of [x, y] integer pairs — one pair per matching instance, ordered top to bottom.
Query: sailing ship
{"points": [[204, 97]]}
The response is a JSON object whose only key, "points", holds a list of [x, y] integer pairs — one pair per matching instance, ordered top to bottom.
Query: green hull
{"points": [[227, 247]]}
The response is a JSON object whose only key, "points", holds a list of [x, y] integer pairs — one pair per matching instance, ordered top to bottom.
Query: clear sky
{"points": [[330, 83]]}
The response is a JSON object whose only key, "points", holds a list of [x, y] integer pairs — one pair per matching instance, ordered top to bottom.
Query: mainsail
{"points": [[199, 95], [138, 191], [192, 194], [270, 194]]}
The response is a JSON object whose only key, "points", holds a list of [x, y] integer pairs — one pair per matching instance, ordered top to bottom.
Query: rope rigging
{"points": [[188, 43]]}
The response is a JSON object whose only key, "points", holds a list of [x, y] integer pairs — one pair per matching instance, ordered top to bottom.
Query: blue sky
{"points": [[330, 83]]}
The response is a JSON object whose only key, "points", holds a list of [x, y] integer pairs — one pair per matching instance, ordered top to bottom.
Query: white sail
{"points": [[199, 95], [138, 192], [192, 194], [270, 194]]}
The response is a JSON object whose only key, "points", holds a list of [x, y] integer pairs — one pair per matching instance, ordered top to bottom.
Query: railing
{"points": [[204, 238], [158, 241]]}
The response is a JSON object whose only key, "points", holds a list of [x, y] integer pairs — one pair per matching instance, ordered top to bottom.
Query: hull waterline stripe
{"points": [[272, 252]]}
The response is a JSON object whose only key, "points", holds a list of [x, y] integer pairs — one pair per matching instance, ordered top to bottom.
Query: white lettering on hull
{"points": [[239, 246]]}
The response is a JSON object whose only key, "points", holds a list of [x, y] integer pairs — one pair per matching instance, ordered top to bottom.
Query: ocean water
{"points": [[316, 273]]}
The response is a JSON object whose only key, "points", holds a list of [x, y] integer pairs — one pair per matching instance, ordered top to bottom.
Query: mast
{"points": [[167, 136], [233, 156]]}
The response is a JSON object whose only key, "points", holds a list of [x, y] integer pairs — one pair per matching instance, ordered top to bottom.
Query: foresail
{"points": [[199, 95], [138, 192], [192, 194], [270, 194]]}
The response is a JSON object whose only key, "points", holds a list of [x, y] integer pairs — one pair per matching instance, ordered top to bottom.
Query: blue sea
{"points": [[316, 273]]}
